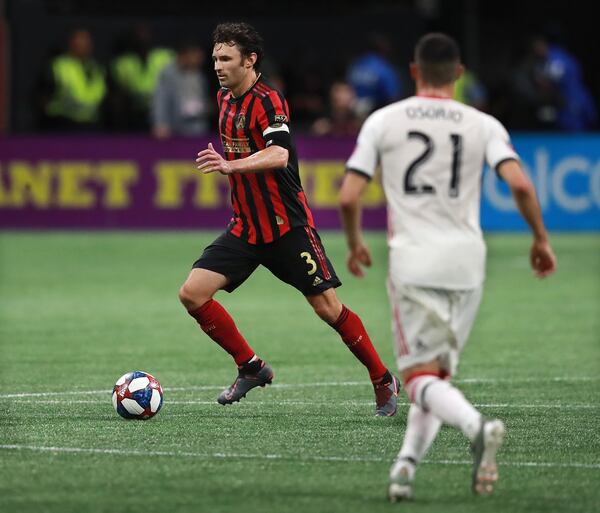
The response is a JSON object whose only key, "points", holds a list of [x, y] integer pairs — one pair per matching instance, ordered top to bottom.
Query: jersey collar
{"points": [[434, 96], [238, 98]]}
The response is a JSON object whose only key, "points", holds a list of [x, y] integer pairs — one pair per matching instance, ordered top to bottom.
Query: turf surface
{"points": [[78, 310]]}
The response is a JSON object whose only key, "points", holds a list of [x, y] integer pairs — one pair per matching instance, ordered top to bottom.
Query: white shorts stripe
{"points": [[400, 339]]}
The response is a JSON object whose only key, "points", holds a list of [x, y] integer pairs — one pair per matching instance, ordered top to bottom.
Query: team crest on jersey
{"points": [[240, 121]]}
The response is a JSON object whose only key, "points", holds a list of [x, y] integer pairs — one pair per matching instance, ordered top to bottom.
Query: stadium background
{"points": [[566, 168], [98, 231]]}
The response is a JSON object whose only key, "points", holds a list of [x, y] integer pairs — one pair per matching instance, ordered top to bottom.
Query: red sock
{"points": [[218, 325], [354, 335]]}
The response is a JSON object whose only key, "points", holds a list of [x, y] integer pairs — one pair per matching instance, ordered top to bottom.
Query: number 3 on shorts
{"points": [[313, 265]]}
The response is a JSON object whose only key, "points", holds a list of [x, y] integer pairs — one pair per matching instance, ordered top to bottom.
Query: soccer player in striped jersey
{"points": [[432, 150], [272, 224]]}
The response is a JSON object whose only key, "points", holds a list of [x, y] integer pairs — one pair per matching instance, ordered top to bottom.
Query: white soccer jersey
{"points": [[432, 152]]}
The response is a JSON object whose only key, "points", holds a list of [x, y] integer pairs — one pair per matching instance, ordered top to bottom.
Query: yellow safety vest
{"points": [[138, 76], [461, 86], [77, 94]]}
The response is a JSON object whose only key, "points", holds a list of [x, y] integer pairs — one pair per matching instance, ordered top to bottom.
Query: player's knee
{"points": [[185, 295], [192, 297], [323, 311], [329, 311]]}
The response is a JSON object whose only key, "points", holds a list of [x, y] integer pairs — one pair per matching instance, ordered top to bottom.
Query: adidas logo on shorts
{"points": [[317, 281]]}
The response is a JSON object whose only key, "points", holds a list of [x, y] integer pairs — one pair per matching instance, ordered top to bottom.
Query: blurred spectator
{"points": [[270, 70], [134, 74], [373, 77], [73, 87], [549, 87], [307, 90], [469, 90], [536, 96], [180, 105], [577, 111], [342, 118]]}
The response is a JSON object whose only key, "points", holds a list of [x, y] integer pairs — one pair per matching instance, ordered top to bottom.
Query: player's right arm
{"points": [[360, 170], [352, 188], [541, 255]]}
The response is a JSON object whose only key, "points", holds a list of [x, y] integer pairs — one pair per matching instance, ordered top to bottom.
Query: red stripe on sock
{"points": [[219, 325], [356, 338], [419, 374], [410, 386]]}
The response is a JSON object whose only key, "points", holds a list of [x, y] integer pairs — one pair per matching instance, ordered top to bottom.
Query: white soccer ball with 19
{"points": [[137, 395]]}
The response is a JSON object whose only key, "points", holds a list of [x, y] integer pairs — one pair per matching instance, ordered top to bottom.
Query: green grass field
{"points": [[78, 310]]}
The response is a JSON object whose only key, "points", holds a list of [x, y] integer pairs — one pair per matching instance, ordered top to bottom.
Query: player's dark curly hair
{"points": [[244, 36], [438, 57]]}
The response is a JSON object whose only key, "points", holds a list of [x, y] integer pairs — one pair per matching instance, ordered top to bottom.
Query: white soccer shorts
{"points": [[431, 324]]}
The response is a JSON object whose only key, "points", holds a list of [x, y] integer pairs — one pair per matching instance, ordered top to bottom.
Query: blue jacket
{"points": [[578, 112]]}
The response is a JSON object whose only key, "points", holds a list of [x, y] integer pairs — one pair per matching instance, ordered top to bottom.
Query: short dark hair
{"points": [[244, 36], [437, 55]]}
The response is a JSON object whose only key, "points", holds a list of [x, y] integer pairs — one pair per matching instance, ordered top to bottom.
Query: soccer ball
{"points": [[137, 395]]}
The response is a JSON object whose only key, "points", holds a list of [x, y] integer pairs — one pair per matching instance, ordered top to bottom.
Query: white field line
{"points": [[469, 381], [292, 402], [296, 457]]}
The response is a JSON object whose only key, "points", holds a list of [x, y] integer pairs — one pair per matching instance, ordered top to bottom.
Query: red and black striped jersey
{"points": [[266, 205]]}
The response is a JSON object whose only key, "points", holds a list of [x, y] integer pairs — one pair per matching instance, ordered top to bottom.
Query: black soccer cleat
{"points": [[247, 379]]}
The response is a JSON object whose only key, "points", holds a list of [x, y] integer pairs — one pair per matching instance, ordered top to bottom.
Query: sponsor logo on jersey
{"points": [[233, 145]]}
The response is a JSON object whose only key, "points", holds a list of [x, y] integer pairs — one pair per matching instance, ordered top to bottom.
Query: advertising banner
{"points": [[129, 182]]}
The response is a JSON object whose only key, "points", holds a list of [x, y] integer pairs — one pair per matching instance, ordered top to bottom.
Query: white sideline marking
{"points": [[469, 381], [292, 402], [221, 455]]}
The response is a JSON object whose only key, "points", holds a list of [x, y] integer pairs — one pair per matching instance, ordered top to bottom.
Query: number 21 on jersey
{"points": [[409, 178]]}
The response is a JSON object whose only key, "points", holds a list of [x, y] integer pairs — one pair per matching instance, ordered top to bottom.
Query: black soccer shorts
{"points": [[298, 258]]}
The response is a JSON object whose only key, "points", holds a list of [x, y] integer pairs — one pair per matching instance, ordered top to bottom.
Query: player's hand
{"points": [[209, 161], [358, 257], [543, 261]]}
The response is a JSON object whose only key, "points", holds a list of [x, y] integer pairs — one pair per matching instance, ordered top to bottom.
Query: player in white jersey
{"points": [[432, 151]]}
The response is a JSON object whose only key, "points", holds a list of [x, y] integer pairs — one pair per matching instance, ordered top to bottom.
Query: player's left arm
{"points": [[501, 156], [272, 157], [351, 191], [541, 256]]}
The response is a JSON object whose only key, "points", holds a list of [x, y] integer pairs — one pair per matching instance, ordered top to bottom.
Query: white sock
{"points": [[446, 402], [421, 429]]}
